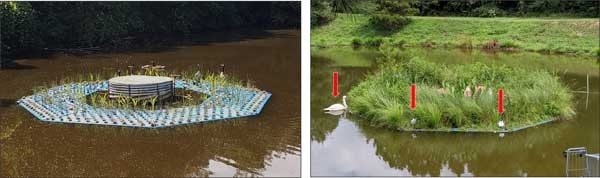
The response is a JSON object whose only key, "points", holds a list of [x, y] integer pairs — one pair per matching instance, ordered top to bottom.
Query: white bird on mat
{"points": [[222, 71], [198, 74], [468, 92], [337, 106], [501, 123]]}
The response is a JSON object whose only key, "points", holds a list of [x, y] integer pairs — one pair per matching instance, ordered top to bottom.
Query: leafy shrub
{"points": [[488, 10], [321, 13], [389, 22], [18, 27], [356, 42], [370, 42], [373, 42], [509, 44]]}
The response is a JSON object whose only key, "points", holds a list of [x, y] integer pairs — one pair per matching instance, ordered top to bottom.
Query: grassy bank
{"points": [[578, 36], [531, 96]]}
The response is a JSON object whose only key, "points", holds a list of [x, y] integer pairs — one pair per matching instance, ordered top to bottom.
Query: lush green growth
{"points": [[472, 8], [483, 8], [321, 13], [391, 14], [388, 22], [38, 25], [578, 36], [530, 96], [180, 98]]}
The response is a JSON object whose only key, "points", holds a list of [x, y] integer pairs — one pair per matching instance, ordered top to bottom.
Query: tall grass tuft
{"points": [[530, 96]]}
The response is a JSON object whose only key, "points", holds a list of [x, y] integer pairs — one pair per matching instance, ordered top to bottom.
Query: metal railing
{"points": [[578, 163]]}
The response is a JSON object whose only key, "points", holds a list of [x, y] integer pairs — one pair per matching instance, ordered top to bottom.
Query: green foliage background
{"points": [[34, 25]]}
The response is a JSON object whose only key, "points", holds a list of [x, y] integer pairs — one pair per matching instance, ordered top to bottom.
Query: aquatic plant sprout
{"points": [[531, 96], [67, 103]]}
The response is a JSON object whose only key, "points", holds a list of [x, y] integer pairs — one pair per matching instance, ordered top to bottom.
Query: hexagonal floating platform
{"points": [[59, 104]]}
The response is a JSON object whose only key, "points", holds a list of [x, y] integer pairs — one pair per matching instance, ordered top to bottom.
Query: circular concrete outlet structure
{"points": [[140, 87]]}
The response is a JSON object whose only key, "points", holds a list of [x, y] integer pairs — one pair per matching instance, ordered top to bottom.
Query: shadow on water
{"points": [[157, 43], [16, 66], [4, 103], [267, 144], [351, 146]]}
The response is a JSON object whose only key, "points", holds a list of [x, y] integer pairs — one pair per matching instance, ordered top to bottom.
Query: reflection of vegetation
{"points": [[578, 36], [346, 57], [530, 96], [9, 126], [175, 152], [483, 154]]}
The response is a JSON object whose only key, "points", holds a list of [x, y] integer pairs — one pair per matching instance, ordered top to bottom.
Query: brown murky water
{"points": [[265, 145], [349, 146]]}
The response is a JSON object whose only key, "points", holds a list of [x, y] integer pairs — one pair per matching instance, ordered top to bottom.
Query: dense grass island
{"points": [[459, 97]]}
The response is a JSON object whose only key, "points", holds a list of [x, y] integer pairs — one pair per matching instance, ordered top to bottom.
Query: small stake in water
{"points": [[335, 84], [587, 95], [413, 96], [501, 108]]}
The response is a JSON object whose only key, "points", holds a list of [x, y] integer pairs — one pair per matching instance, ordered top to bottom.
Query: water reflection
{"points": [[258, 146], [353, 147]]}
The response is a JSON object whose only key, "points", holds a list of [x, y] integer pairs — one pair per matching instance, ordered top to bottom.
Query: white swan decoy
{"points": [[337, 106]]}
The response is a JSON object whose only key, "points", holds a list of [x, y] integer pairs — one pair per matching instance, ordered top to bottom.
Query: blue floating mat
{"points": [[63, 104]]}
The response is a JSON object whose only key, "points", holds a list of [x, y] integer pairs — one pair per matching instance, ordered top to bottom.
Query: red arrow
{"points": [[335, 84], [413, 96], [500, 101]]}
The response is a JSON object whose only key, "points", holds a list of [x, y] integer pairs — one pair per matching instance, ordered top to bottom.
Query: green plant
{"points": [[389, 22], [531, 95]]}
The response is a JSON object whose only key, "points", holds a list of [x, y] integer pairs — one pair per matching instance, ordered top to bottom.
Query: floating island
{"points": [[460, 97], [132, 100]]}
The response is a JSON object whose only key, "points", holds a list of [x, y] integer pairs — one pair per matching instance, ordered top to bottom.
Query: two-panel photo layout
{"points": [[308, 88]]}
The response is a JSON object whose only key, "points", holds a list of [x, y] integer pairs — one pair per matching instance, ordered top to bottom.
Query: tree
{"points": [[391, 14]]}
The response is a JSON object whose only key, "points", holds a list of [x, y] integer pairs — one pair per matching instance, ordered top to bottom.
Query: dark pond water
{"points": [[265, 145], [350, 146]]}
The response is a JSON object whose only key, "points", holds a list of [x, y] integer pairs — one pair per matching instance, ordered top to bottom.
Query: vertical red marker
{"points": [[335, 84], [413, 96], [500, 101]]}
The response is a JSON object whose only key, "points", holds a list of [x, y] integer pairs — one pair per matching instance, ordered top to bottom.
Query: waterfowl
{"points": [[222, 71], [198, 74], [479, 88], [442, 91], [468, 91], [337, 106], [336, 112], [413, 121], [501, 123]]}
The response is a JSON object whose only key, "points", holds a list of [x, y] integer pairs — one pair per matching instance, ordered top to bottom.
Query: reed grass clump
{"points": [[226, 89], [442, 103]]}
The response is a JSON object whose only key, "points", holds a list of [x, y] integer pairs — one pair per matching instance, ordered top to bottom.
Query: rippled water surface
{"points": [[265, 145], [348, 145]]}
